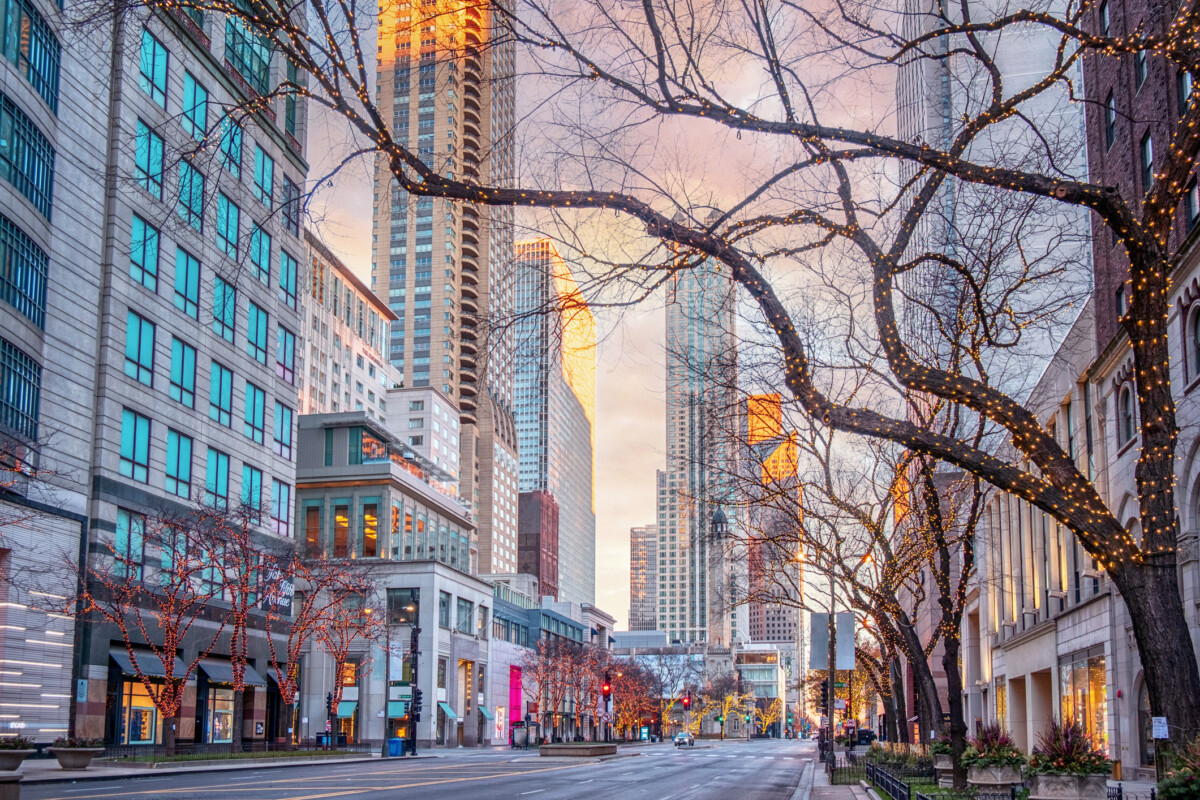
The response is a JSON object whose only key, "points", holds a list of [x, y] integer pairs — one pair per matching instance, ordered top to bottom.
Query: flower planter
{"points": [[75, 757], [10, 760], [944, 764], [993, 779], [1048, 786]]}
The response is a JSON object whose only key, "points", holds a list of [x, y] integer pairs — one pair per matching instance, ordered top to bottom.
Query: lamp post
{"points": [[414, 711]]}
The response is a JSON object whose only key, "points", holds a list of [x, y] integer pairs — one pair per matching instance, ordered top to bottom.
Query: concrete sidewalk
{"points": [[46, 770], [822, 790]]}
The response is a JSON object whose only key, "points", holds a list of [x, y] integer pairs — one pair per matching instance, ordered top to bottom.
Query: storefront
{"points": [[1083, 682], [214, 699], [134, 719]]}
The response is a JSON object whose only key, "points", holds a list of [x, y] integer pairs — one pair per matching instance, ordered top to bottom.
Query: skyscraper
{"points": [[445, 83], [554, 365], [643, 577], [696, 595]]}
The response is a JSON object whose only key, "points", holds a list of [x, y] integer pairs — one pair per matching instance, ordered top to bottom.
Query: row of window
{"points": [[30, 44], [26, 157], [20, 391], [136, 436]]}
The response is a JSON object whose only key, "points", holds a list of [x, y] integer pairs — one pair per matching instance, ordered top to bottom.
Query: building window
{"points": [[1104, 18], [29, 43], [249, 53], [154, 61], [1139, 68], [1184, 85], [289, 103], [195, 108], [1110, 120], [231, 146], [26, 157], [148, 160], [1146, 160], [264, 177], [191, 196], [1191, 205], [291, 206], [229, 219], [143, 253], [260, 253], [23, 270], [288, 270], [187, 283], [1120, 302], [224, 308], [256, 333], [1196, 342], [139, 348], [285, 355], [183, 373], [20, 391], [220, 395], [256, 410], [1126, 417], [283, 430], [135, 446], [179, 464], [216, 480], [252, 492], [281, 507], [312, 529], [370, 530], [341, 531], [129, 547], [404, 606], [444, 609], [1084, 685]]}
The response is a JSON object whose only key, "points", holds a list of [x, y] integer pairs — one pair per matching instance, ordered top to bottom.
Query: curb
{"points": [[151, 772]]}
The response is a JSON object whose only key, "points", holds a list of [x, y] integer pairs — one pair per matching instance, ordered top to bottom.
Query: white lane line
{"points": [[535, 791]]}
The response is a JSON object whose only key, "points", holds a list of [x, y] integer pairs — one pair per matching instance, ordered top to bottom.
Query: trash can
{"points": [[395, 747]]}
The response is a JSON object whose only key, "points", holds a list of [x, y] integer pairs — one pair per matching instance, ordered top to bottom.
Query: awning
{"points": [[150, 664], [222, 672], [346, 708], [397, 709], [448, 710], [486, 714]]}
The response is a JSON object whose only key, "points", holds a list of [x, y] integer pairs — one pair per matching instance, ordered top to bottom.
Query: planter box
{"points": [[581, 750], [75, 757], [10, 760], [944, 764], [993, 779], [1068, 787]]}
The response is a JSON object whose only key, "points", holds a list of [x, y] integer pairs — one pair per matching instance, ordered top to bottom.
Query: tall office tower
{"points": [[445, 82], [976, 224], [148, 323], [340, 360], [554, 365], [537, 551], [643, 578], [697, 596]]}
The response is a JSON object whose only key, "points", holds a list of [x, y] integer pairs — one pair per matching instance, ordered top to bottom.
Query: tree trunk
{"points": [[1151, 593], [899, 702], [954, 703], [929, 705], [239, 718], [169, 724], [293, 732]]}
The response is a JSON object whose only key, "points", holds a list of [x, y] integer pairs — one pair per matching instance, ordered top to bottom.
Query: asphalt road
{"points": [[761, 770]]}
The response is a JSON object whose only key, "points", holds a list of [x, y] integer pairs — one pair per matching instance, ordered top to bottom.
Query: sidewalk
{"points": [[822, 790]]}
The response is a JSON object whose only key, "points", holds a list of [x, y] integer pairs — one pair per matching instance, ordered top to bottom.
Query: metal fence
{"points": [[895, 781], [1118, 792], [944, 794]]}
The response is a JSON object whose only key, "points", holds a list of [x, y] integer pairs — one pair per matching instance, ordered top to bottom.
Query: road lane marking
{"points": [[535, 791]]}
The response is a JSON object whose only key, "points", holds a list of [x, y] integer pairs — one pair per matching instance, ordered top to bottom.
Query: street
{"points": [[762, 770]]}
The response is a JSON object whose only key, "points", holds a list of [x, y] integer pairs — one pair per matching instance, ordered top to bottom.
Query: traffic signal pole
{"points": [[829, 703], [414, 712]]}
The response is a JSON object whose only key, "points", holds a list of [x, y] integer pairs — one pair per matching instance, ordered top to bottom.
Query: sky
{"points": [[630, 393]]}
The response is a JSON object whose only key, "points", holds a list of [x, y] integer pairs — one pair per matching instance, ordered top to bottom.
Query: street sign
{"points": [[839, 684], [839, 703], [824, 721], [328, 726], [1159, 728]]}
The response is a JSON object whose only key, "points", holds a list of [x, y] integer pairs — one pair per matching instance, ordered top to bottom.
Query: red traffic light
{"points": [[606, 689], [687, 701]]}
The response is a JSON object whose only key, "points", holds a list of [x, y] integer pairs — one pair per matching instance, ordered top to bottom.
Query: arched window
{"points": [[1195, 343], [1125, 415]]}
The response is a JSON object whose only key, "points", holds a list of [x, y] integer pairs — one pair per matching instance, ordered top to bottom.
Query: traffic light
{"points": [[606, 687], [825, 693], [417, 695], [687, 700], [329, 704], [789, 718], [720, 719], [747, 719]]}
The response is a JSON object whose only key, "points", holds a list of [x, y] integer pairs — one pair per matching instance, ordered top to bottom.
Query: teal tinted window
{"points": [[30, 44], [249, 52], [153, 78], [195, 107], [231, 147], [148, 160], [264, 177], [191, 196], [229, 218], [143, 253], [260, 254], [23, 270], [288, 270], [187, 283], [224, 308], [256, 333], [139, 348], [285, 355], [183, 373], [20, 390], [220, 395], [256, 410], [283, 430], [135, 446], [179, 464], [216, 479], [252, 487]]}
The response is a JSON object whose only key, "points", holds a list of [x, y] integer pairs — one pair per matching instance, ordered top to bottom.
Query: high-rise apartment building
{"points": [[445, 83], [149, 309], [340, 362], [554, 368], [643, 578], [697, 595]]}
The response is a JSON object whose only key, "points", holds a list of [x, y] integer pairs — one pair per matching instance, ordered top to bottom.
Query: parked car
{"points": [[683, 737]]}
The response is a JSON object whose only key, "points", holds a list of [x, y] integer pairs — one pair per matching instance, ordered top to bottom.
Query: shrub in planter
{"points": [[14, 750], [76, 753], [992, 758], [1067, 763], [1182, 780]]}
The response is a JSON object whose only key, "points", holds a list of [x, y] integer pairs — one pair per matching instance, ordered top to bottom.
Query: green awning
{"points": [[346, 708], [397, 709], [448, 710], [486, 714]]}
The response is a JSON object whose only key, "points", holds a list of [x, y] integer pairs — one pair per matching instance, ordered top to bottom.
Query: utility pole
{"points": [[830, 703], [414, 711]]}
